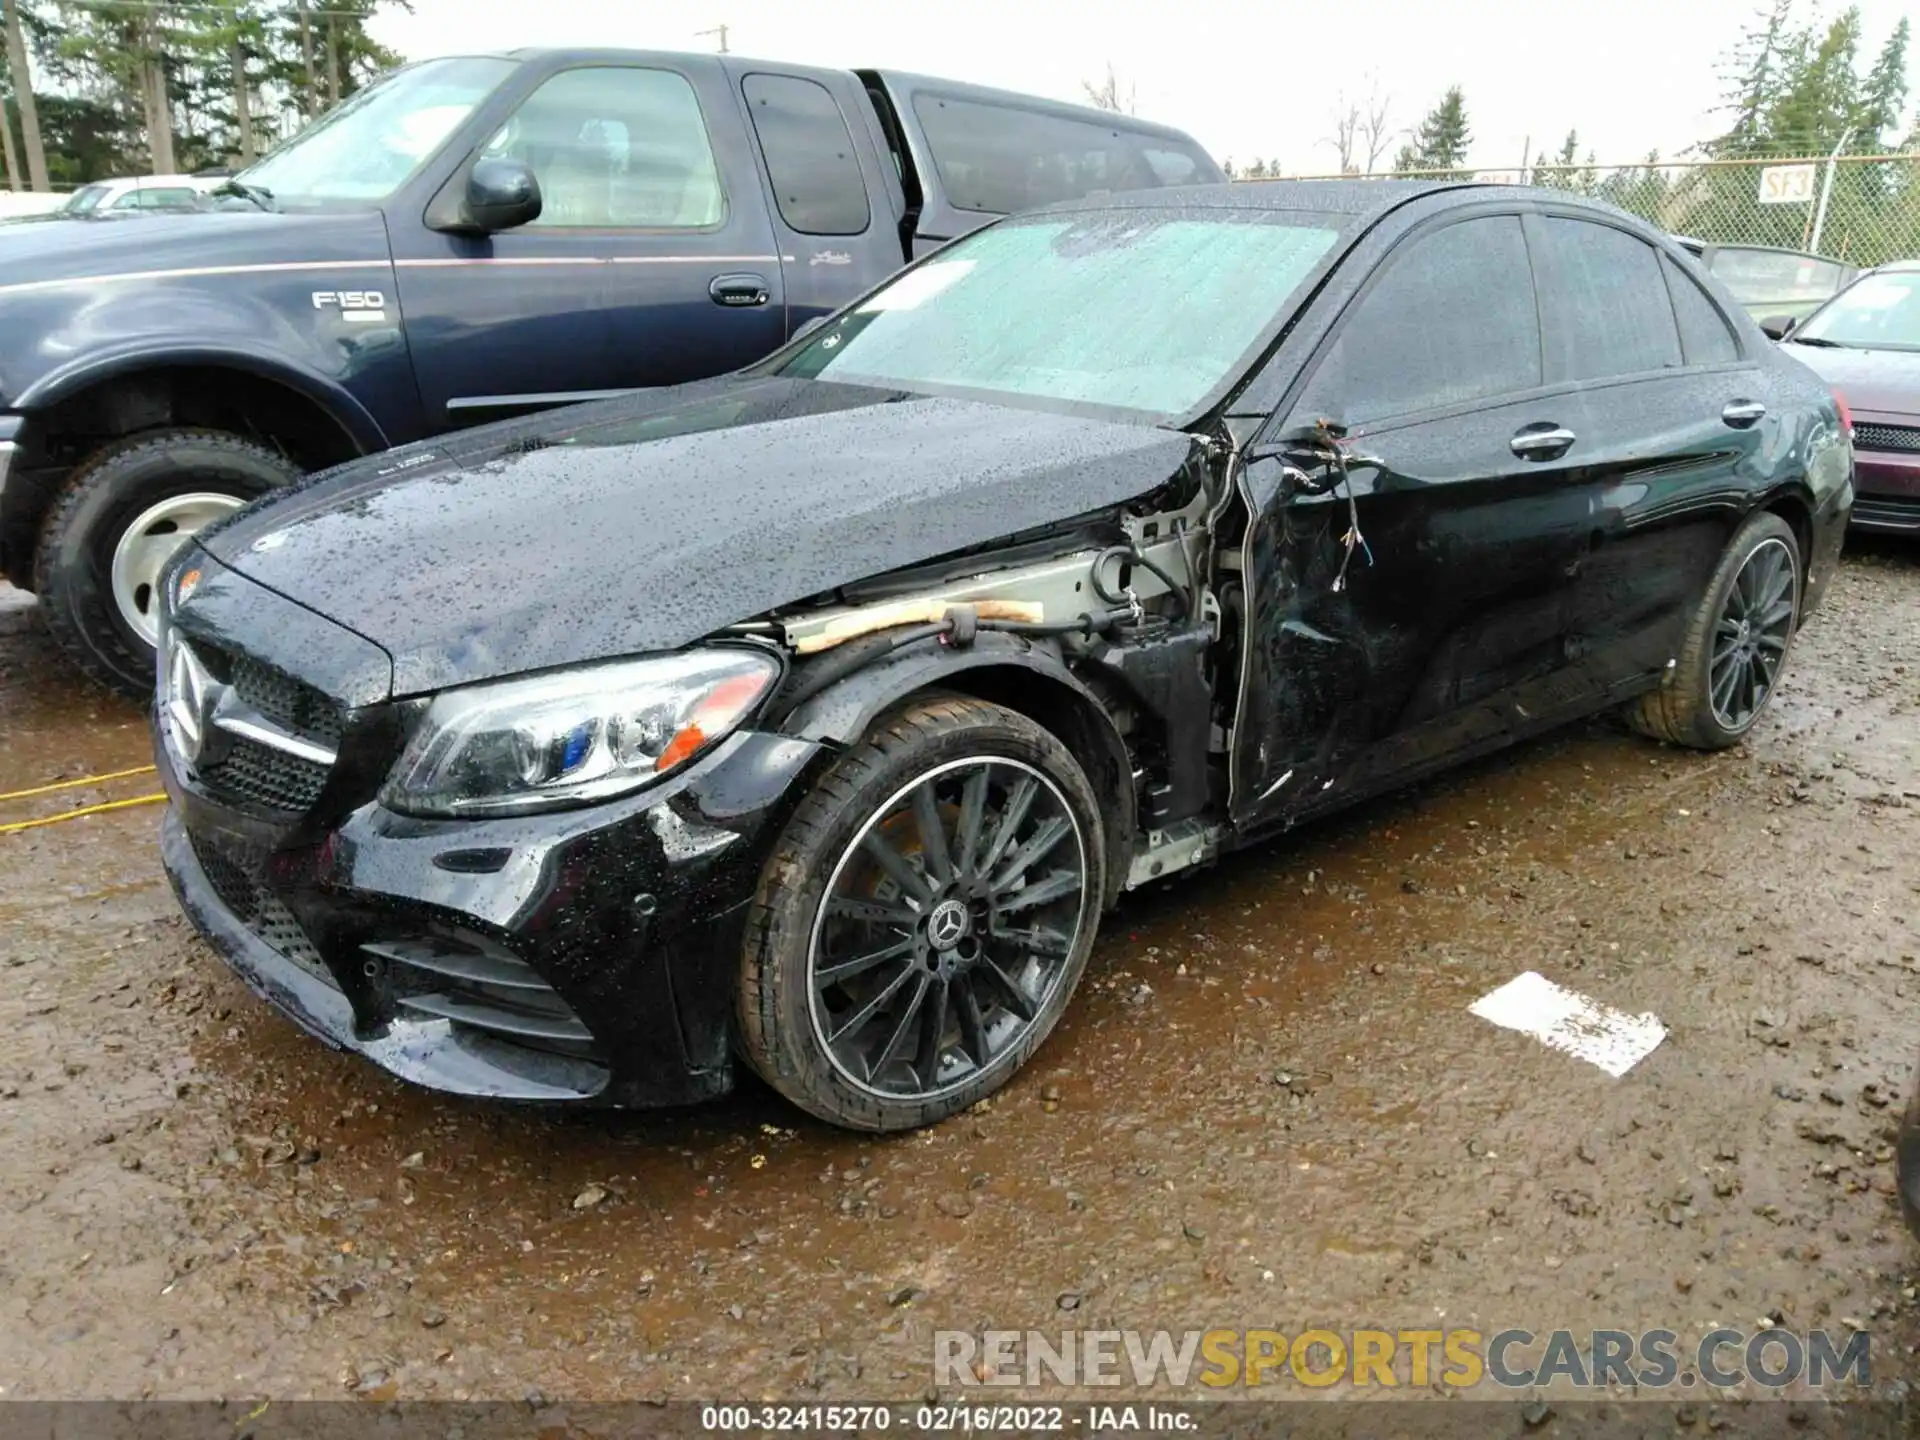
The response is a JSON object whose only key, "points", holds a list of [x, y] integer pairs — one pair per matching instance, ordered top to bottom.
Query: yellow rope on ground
{"points": [[76, 784], [83, 810]]}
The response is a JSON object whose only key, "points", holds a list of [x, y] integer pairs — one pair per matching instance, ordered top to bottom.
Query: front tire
{"points": [[116, 522], [1736, 643], [923, 919]]}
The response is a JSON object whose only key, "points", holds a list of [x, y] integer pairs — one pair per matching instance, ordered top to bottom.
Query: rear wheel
{"points": [[119, 519], [1736, 643], [924, 919]]}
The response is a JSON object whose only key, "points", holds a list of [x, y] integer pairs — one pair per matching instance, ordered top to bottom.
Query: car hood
{"points": [[55, 249], [1883, 382], [645, 523]]}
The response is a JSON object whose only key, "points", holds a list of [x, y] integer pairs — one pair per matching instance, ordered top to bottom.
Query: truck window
{"points": [[617, 147], [810, 157], [1000, 158]]}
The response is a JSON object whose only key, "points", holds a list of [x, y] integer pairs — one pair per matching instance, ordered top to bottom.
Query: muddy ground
{"points": [[1268, 1106]]}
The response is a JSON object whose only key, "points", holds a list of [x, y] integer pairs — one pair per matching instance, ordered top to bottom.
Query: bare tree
{"points": [[1107, 95], [23, 96], [1376, 129], [1362, 130]]}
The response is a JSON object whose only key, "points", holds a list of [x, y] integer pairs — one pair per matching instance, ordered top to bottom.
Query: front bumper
{"points": [[1887, 487], [583, 956]]}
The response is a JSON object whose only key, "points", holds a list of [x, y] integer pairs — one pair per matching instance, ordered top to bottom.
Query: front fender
{"points": [[340, 405], [1024, 675]]}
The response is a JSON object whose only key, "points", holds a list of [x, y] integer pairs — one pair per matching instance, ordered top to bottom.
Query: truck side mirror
{"points": [[501, 195], [1778, 327]]}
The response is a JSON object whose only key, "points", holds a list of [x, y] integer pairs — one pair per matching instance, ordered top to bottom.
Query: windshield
{"points": [[370, 146], [83, 199], [1138, 310], [1879, 312]]}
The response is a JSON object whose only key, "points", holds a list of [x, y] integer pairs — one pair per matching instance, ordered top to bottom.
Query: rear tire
{"points": [[121, 514], [1736, 643], [890, 980]]}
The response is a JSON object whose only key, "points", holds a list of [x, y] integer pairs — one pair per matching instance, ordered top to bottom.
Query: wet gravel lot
{"points": [[1269, 1105]]}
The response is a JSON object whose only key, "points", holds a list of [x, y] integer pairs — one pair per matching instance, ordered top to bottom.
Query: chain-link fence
{"points": [[1862, 209]]}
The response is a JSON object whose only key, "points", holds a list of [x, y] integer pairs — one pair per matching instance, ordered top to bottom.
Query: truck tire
{"points": [[120, 516], [1736, 643], [924, 917]]}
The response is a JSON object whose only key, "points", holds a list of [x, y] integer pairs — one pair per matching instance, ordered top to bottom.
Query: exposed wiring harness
{"points": [[1329, 447], [1131, 554], [960, 627]]}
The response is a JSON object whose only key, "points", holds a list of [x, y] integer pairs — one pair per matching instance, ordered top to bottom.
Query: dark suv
{"points": [[815, 715]]}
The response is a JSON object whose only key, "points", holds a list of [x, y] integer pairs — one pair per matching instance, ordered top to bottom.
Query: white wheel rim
{"points": [[149, 543]]}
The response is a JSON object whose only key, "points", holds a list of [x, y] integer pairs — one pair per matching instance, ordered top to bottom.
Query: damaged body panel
{"points": [[813, 715]]}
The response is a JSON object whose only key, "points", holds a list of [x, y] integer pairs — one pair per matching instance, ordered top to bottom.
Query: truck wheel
{"points": [[116, 522], [1736, 643], [924, 918]]}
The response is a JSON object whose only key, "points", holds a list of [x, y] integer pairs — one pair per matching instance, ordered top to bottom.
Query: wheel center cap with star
{"points": [[948, 924]]}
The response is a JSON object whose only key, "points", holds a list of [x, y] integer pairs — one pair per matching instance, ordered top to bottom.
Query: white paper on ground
{"points": [[1572, 1023]]}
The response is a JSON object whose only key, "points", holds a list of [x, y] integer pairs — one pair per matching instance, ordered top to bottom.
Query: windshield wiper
{"points": [[258, 194], [1819, 340]]}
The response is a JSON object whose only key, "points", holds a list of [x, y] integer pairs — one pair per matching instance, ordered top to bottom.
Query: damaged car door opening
{"points": [[1087, 549]]}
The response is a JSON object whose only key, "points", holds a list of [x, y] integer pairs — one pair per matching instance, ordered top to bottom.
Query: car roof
{"points": [[905, 79], [1898, 267]]}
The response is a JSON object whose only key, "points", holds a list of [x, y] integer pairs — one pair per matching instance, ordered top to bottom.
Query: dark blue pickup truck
{"points": [[471, 239]]}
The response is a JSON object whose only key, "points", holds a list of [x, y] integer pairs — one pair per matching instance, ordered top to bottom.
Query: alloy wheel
{"points": [[149, 543], [1750, 637], [946, 927]]}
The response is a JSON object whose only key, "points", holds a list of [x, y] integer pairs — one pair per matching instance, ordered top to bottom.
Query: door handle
{"points": [[736, 290], [1742, 413], [1544, 441]]}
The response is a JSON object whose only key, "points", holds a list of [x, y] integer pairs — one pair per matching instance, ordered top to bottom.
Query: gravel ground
{"points": [[1268, 1106]]}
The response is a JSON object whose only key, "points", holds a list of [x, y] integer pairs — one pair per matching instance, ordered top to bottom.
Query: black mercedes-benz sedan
{"points": [[810, 718]]}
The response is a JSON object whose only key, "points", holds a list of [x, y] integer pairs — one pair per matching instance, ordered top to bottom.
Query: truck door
{"points": [[837, 203], [652, 262]]}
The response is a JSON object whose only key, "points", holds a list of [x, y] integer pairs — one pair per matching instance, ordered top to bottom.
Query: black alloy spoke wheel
{"points": [[1750, 638], [1735, 644], [924, 917], [947, 925]]}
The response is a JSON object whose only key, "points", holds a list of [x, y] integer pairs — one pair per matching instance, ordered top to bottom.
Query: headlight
{"points": [[573, 737]]}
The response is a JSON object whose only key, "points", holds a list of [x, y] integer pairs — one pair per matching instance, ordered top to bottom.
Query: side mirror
{"points": [[501, 195], [1778, 327]]}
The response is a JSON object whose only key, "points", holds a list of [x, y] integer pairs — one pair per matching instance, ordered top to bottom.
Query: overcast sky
{"points": [[1247, 79]]}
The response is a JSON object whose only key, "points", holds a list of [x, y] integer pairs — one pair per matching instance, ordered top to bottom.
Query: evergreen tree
{"points": [[1753, 77], [1882, 96], [1815, 106], [1441, 141]]}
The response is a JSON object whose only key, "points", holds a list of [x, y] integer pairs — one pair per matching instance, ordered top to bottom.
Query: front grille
{"points": [[1901, 438], [287, 702], [240, 768], [247, 770], [260, 910]]}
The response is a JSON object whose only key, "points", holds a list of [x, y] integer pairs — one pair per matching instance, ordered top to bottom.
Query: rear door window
{"points": [[810, 156], [997, 159], [1604, 302], [1451, 319], [1705, 336]]}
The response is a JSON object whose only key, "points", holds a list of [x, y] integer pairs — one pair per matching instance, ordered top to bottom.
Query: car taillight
{"points": [[1846, 415]]}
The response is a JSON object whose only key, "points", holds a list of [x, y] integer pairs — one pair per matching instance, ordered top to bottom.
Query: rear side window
{"points": [[810, 157], [998, 158], [1605, 302], [1452, 319], [1705, 336]]}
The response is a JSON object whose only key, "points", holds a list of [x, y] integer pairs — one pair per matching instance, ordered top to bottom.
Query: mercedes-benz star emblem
{"points": [[190, 697], [947, 925]]}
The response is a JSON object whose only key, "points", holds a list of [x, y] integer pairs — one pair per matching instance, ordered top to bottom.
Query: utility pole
{"points": [[721, 31], [23, 96]]}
